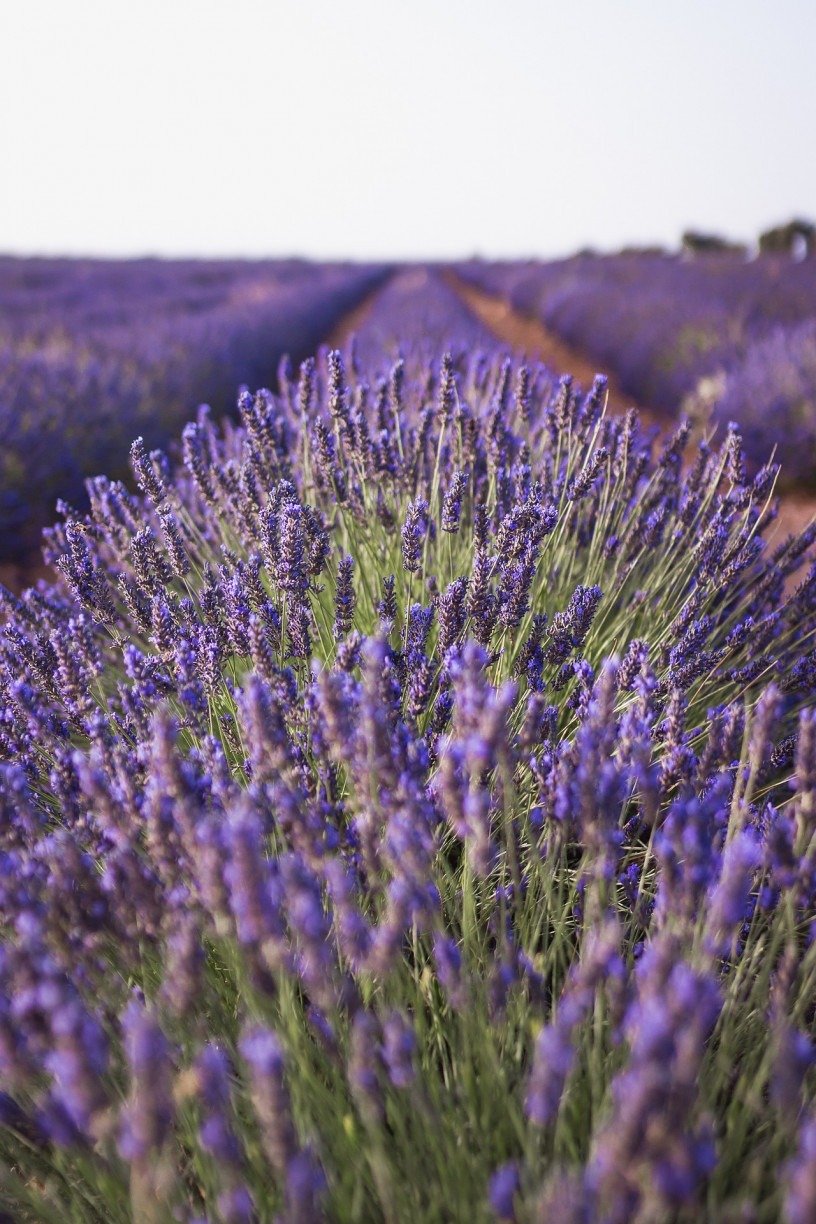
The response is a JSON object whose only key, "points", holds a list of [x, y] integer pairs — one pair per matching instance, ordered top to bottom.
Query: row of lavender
{"points": [[417, 313], [718, 335], [93, 353], [408, 813]]}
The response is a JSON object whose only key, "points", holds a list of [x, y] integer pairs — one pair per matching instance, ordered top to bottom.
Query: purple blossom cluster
{"points": [[721, 333], [93, 353], [408, 812]]}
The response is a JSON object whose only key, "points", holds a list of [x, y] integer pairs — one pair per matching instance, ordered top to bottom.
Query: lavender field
{"points": [[720, 337], [94, 353], [408, 765]]}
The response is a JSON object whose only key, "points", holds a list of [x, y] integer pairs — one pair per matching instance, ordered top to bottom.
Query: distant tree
{"points": [[794, 237], [695, 243], [643, 250]]}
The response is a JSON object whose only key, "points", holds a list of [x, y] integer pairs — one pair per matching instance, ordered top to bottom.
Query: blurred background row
{"points": [[96, 352]]}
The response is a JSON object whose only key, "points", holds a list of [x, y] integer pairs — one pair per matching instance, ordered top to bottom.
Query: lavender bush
{"points": [[773, 388], [408, 812]]}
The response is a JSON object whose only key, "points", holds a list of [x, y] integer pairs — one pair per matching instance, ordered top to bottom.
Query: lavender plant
{"points": [[776, 383], [407, 813]]}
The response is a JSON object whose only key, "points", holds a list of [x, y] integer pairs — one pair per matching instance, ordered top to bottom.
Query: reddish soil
{"points": [[796, 511], [17, 575]]}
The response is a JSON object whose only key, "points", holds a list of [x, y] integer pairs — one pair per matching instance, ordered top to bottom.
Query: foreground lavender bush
{"points": [[408, 813]]}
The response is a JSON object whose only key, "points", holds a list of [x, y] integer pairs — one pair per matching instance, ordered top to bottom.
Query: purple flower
{"points": [[582, 483], [452, 504], [413, 533], [344, 598], [255, 888], [728, 907], [448, 961], [398, 1049], [263, 1055], [793, 1056], [552, 1062], [77, 1063], [365, 1065], [148, 1119], [216, 1134], [650, 1154], [800, 1180], [305, 1187], [503, 1188]]}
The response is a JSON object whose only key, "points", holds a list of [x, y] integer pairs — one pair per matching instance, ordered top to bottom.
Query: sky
{"points": [[400, 128]]}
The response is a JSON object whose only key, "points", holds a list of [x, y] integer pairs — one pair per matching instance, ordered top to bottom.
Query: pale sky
{"points": [[400, 128]]}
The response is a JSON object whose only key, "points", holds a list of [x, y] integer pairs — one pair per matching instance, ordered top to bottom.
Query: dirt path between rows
{"points": [[531, 337], [16, 576]]}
